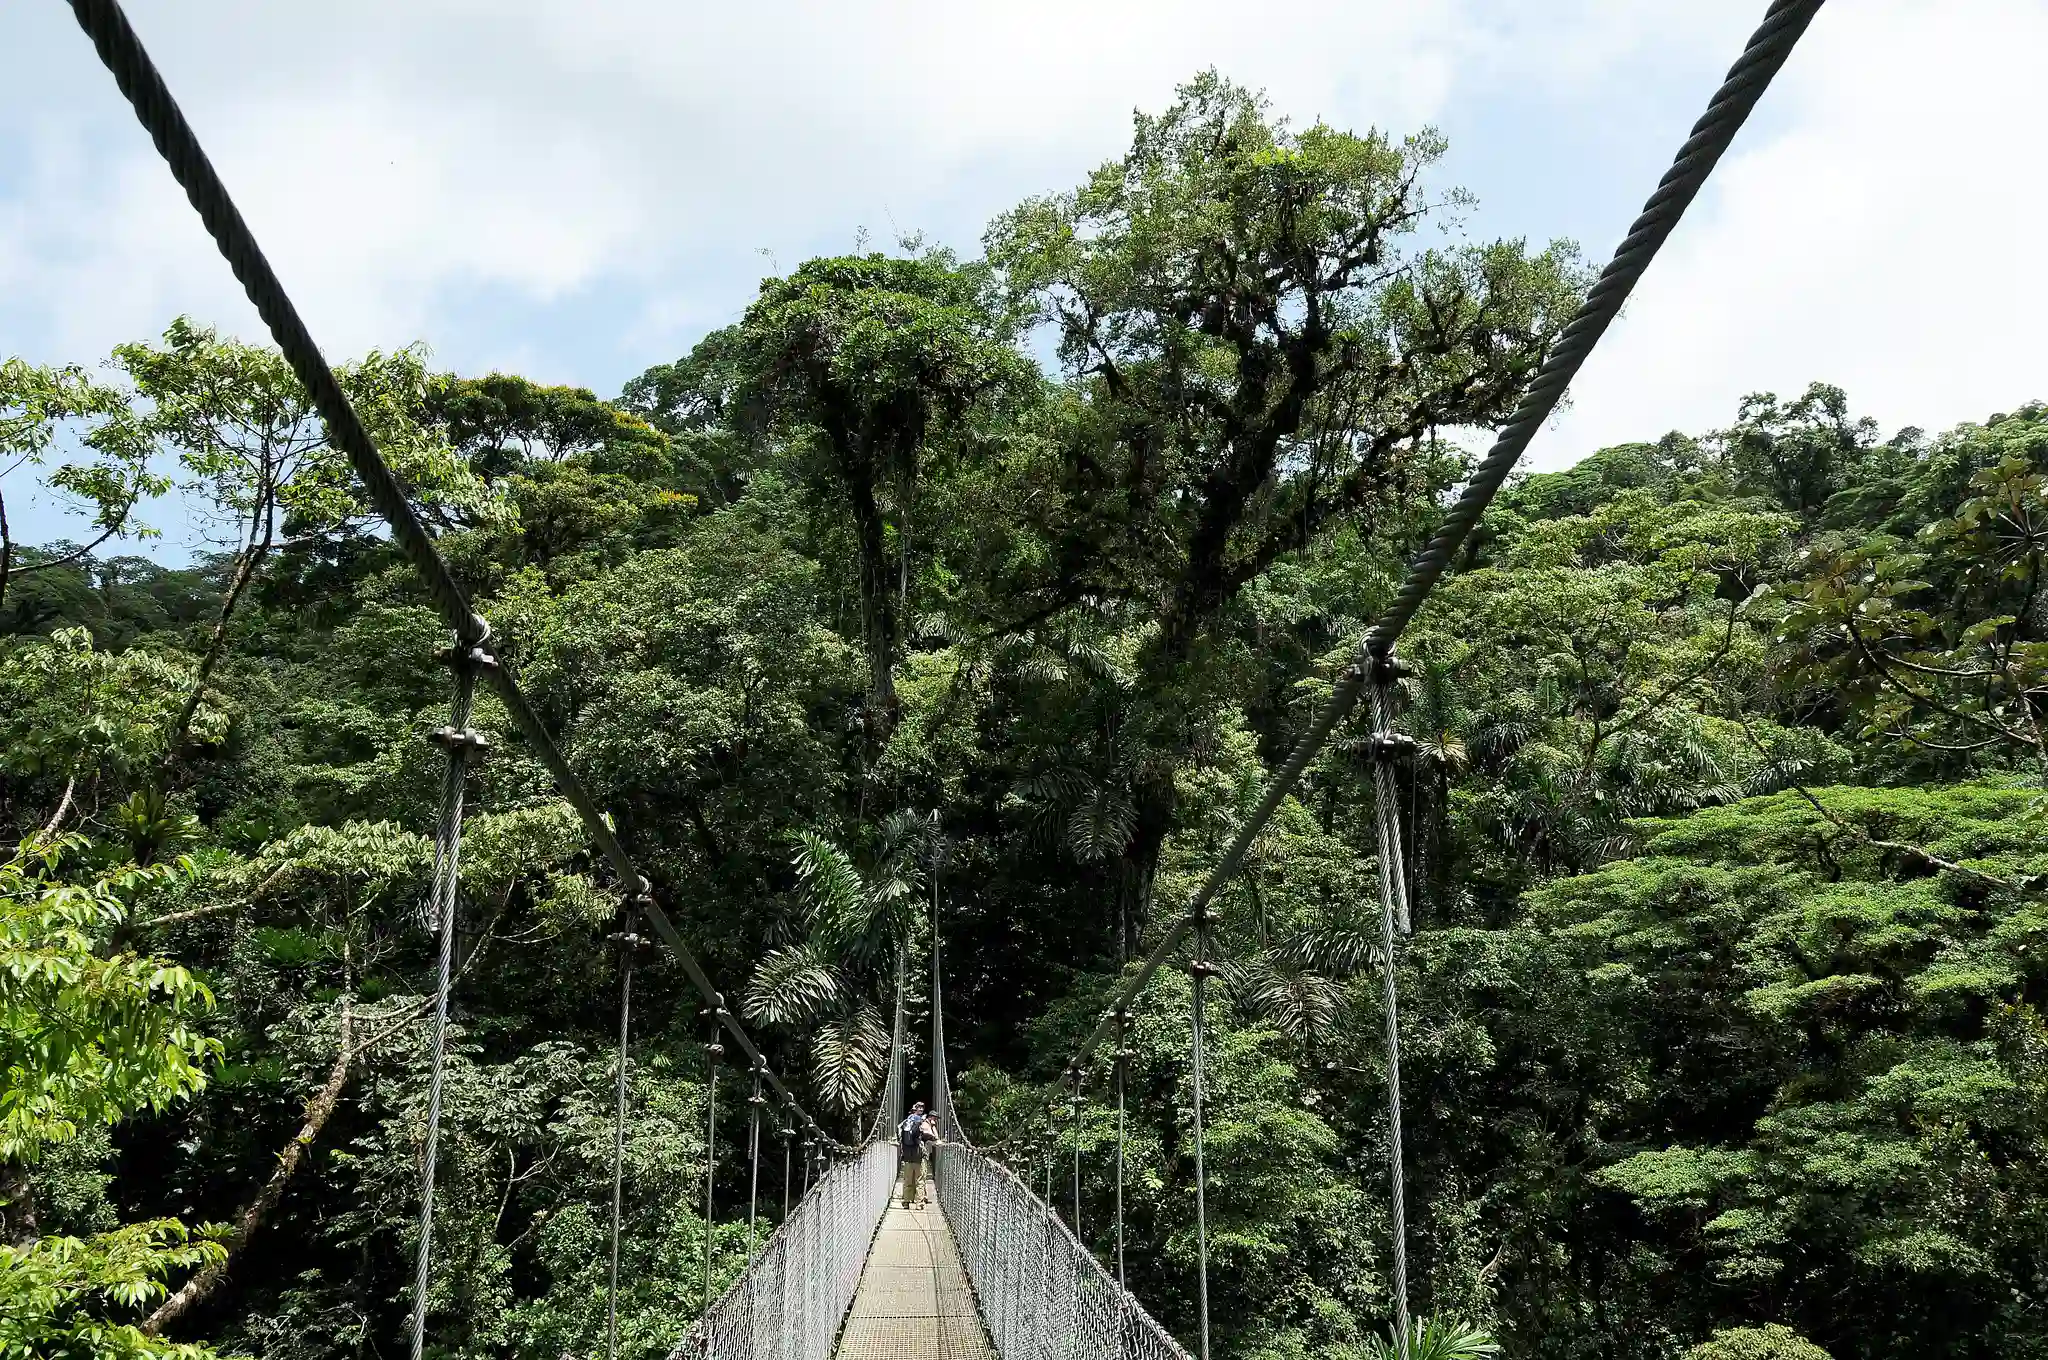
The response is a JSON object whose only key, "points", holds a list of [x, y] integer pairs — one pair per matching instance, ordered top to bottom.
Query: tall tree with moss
{"points": [[1258, 353]]}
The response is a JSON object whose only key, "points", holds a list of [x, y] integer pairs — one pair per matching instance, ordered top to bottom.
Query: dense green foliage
{"points": [[1721, 1013]]}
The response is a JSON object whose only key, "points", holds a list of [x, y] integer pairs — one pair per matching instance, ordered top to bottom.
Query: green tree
{"points": [[1256, 357], [870, 369], [108, 483], [836, 982], [87, 1037]]}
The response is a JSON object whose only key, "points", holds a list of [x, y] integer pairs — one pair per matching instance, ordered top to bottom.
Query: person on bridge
{"points": [[915, 1138]]}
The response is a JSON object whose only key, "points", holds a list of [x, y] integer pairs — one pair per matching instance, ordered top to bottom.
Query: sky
{"points": [[577, 189]]}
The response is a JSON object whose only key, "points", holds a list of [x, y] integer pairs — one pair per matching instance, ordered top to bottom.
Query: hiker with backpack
{"points": [[916, 1136]]}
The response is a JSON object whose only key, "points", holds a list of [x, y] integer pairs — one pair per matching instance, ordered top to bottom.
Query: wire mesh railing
{"points": [[1043, 1295], [789, 1301]]}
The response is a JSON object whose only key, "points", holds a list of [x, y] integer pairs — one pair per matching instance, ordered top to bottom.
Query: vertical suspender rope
{"points": [[460, 741], [1386, 746], [1393, 912], [628, 941], [1200, 968], [712, 1052], [1122, 1056], [941, 1093], [754, 1104], [1076, 1127], [788, 1137]]}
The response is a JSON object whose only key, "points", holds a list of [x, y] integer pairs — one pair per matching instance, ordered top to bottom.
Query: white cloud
{"points": [[399, 160], [419, 170], [1886, 239]]}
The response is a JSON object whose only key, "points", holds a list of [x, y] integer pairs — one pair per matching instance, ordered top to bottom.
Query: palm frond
{"points": [[1101, 827], [833, 892], [1337, 947], [792, 985], [1297, 1001], [848, 1052], [1437, 1339]]}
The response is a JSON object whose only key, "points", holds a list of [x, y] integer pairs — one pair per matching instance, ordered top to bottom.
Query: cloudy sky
{"points": [[576, 189]]}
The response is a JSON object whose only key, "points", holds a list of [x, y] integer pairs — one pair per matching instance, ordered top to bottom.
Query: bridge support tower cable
{"points": [[461, 742]]}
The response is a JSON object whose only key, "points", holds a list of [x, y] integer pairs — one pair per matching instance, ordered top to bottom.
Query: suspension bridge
{"points": [[990, 1267]]}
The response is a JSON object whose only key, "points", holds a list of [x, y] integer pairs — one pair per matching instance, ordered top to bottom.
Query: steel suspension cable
{"points": [[114, 38], [1761, 60], [460, 741], [1393, 910], [628, 942], [1200, 968], [713, 1051], [1121, 1060], [755, 1101], [1074, 1130]]}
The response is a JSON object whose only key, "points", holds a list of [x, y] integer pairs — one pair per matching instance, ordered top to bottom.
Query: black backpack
{"points": [[907, 1137]]}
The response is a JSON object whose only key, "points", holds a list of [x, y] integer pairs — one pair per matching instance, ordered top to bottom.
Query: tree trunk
{"points": [[261, 530], [6, 551], [878, 602], [63, 809], [318, 1110], [18, 1222]]}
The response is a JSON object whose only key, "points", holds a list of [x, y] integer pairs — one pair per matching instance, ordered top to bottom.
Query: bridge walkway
{"points": [[914, 1302]]}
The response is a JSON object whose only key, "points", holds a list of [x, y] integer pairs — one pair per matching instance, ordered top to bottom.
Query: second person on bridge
{"points": [[915, 1139]]}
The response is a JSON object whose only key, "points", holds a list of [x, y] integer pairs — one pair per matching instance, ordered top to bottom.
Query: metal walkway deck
{"points": [[914, 1302]]}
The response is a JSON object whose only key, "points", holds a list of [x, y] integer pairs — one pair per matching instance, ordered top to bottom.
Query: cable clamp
{"points": [[473, 657], [1385, 668], [464, 741], [1392, 747], [1202, 968], [716, 1050]]}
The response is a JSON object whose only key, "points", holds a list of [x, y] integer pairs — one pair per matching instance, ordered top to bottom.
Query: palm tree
{"points": [[835, 983]]}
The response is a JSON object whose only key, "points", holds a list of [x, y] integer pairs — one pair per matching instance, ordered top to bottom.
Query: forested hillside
{"points": [[987, 592]]}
